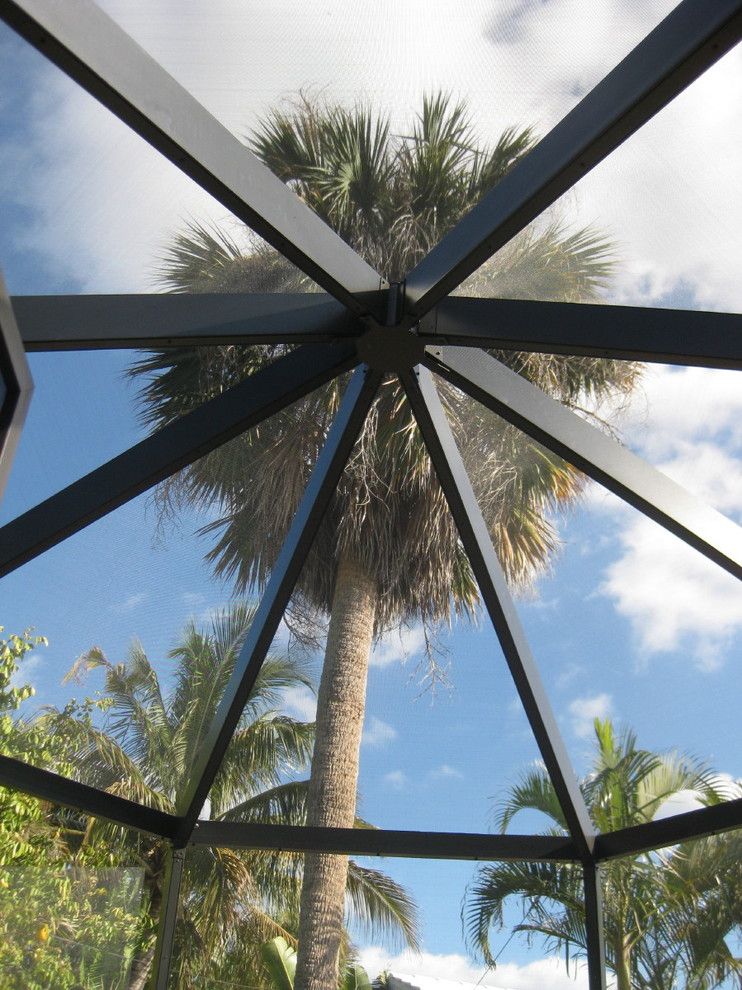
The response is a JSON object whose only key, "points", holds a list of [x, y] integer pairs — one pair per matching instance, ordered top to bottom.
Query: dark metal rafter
{"points": [[686, 43], [94, 51], [88, 322], [629, 333], [16, 385], [173, 447], [602, 458], [322, 483], [475, 538], [52, 787], [669, 831], [385, 842]]}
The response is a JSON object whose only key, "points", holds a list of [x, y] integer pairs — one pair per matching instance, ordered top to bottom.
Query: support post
{"points": [[594, 925], [160, 974]]}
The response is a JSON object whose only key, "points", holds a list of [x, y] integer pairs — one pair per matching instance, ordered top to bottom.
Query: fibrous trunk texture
{"points": [[341, 703]]}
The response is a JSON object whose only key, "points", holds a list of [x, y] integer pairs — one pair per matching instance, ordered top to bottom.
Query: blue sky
{"points": [[628, 622]]}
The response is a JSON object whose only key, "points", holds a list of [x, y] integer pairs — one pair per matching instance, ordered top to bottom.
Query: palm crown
{"points": [[387, 549], [144, 750], [667, 917]]}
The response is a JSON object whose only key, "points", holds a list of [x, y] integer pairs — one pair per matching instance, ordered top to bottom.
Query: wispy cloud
{"points": [[130, 603], [398, 645], [300, 702], [584, 711], [376, 732], [444, 771], [396, 779]]}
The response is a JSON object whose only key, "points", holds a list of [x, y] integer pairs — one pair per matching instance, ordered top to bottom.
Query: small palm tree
{"points": [[388, 550], [144, 751], [668, 916]]}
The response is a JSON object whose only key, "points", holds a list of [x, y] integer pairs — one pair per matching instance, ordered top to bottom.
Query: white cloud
{"points": [[688, 423], [673, 596], [398, 645], [300, 702], [584, 711], [377, 732], [445, 771], [396, 778], [536, 975]]}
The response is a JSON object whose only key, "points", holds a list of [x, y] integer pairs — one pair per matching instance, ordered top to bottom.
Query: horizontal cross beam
{"points": [[689, 40], [94, 51], [90, 322], [627, 333], [170, 449], [588, 449], [52, 787], [384, 842]]}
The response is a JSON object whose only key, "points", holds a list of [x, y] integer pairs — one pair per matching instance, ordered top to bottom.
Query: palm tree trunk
{"points": [[341, 703], [623, 964], [140, 969]]}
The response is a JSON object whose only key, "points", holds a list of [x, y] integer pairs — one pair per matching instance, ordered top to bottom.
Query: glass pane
{"points": [[296, 83], [90, 207], [660, 210], [122, 602], [629, 627], [390, 653], [76, 898], [232, 938]]}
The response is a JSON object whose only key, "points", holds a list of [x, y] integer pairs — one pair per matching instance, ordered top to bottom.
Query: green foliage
{"points": [[671, 917], [279, 959]]}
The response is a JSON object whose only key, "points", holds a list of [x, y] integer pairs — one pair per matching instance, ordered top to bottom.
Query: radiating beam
{"points": [[689, 40], [94, 51], [89, 322], [627, 333], [16, 386], [587, 448], [170, 449], [322, 483], [475, 538], [48, 786], [669, 831], [384, 842], [167, 922], [594, 926]]}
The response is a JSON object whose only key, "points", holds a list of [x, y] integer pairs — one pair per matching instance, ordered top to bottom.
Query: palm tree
{"points": [[388, 551], [144, 751], [668, 916]]}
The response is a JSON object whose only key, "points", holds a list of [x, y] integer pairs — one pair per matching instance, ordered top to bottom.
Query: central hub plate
{"points": [[390, 349]]}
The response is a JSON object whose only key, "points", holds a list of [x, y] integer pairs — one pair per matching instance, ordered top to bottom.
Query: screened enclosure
{"points": [[370, 475]]}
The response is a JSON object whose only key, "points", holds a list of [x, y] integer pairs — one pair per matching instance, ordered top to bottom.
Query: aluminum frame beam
{"points": [[686, 43], [93, 50], [158, 320], [627, 333], [16, 386], [581, 444], [170, 449], [454, 480], [322, 483], [48, 786], [669, 831], [385, 842], [594, 927], [160, 973]]}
